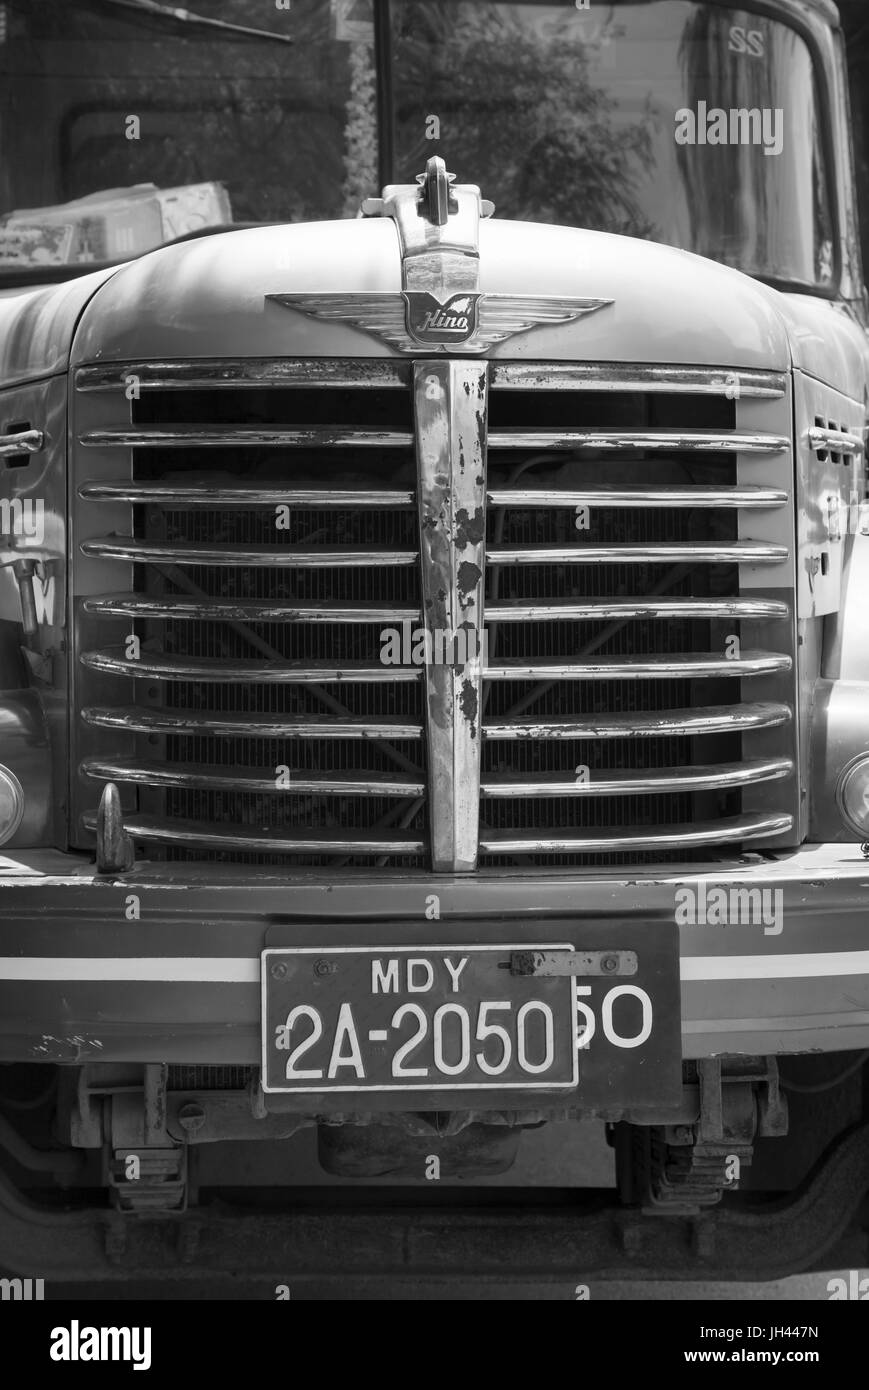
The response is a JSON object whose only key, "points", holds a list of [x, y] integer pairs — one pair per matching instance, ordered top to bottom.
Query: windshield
{"points": [[127, 123], [690, 124]]}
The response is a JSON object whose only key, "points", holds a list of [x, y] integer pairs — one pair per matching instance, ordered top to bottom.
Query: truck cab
{"points": [[434, 681]]}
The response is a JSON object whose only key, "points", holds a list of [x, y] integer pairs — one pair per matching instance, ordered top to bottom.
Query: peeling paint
{"points": [[469, 529], [468, 577], [468, 704]]}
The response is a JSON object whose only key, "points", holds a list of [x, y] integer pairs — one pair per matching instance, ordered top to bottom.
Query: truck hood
{"points": [[208, 298]]}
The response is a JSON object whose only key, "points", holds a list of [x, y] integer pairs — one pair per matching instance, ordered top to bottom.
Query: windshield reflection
{"points": [[608, 118]]}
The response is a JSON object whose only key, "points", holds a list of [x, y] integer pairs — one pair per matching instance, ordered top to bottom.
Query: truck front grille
{"points": [[639, 693]]}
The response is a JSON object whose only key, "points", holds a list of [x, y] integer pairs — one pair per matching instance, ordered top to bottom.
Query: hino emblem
{"points": [[413, 320], [430, 322]]}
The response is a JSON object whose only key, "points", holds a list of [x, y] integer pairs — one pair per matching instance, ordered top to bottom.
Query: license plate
{"points": [[417, 1019]]}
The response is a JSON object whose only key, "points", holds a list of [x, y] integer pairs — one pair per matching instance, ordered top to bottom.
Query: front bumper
{"points": [[164, 964]]}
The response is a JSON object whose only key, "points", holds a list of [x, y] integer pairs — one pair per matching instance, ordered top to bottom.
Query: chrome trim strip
{"points": [[223, 374], [227, 374], [620, 376], [450, 408], [235, 436], [335, 436], [707, 441], [836, 441], [23, 442], [203, 495], [742, 497], [654, 552], [227, 556], [143, 606], [594, 609], [220, 610], [695, 665], [206, 669], [213, 669], [136, 719], [718, 719], [207, 779], [639, 783], [180, 832], [723, 832]]}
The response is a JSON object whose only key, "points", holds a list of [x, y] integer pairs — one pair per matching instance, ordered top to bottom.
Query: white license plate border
{"points": [[445, 1085]]}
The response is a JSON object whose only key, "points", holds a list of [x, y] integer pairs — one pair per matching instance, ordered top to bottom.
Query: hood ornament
{"points": [[440, 307]]}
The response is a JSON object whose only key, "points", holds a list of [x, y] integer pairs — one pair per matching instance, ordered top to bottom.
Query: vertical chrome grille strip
{"points": [[450, 407]]}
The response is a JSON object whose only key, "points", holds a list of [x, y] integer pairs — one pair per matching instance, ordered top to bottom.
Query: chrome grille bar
{"points": [[224, 374], [620, 377], [234, 437], [651, 441], [204, 495], [705, 497], [744, 552], [262, 557], [596, 609], [220, 610], [694, 665], [215, 670], [300, 673], [136, 719], [691, 723], [621, 782], [299, 783], [729, 831], [181, 832]]}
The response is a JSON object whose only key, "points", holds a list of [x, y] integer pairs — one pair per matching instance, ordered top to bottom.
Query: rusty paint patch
{"points": [[469, 529], [468, 578], [468, 705]]}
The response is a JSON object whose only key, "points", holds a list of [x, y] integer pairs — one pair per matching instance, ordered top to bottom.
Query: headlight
{"points": [[853, 795], [11, 804]]}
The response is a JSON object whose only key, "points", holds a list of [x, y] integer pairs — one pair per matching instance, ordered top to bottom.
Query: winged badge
{"points": [[414, 319]]}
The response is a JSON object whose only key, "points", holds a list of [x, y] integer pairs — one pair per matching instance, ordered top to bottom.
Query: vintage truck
{"points": [[434, 645]]}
